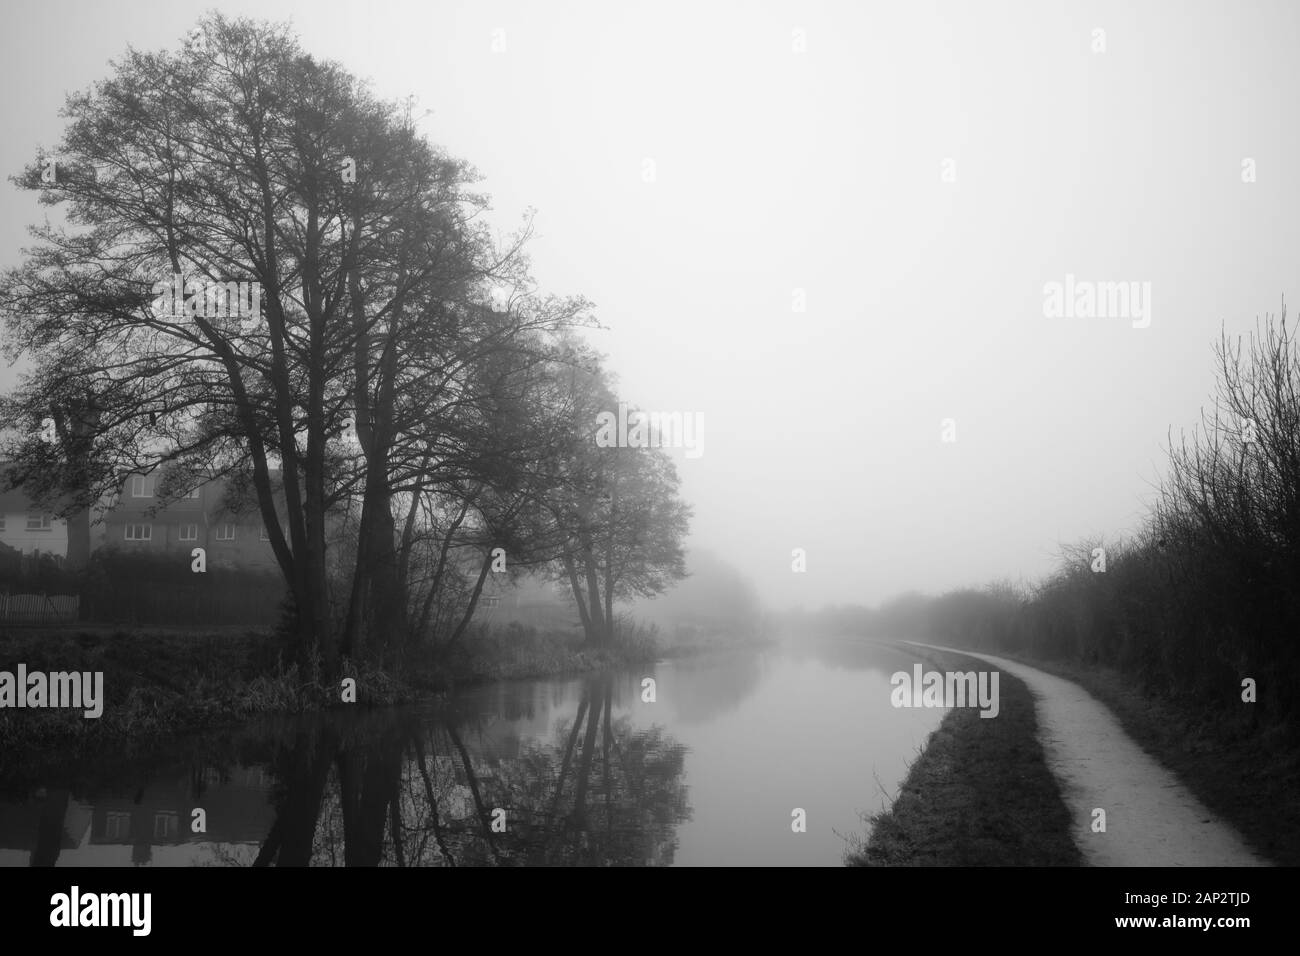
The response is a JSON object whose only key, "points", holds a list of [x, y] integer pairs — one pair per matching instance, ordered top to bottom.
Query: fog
{"points": [[827, 228]]}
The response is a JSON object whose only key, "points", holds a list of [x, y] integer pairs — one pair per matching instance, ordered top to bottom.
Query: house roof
{"points": [[15, 498]]}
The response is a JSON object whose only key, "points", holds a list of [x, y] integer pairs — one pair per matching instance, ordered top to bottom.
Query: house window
{"points": [[141, 486], [192, 493], [2, 522], [38, 522], [139, 532], [189, 532], [225, 532], [263, 534], [492, 601], [117, 826], [165, 826]]}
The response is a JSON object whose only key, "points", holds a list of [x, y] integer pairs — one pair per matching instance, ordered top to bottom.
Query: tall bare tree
{"points": [[243, 165]]}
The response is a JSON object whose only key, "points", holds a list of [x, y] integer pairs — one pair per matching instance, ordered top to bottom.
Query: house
{"points": [[213, 515], [219, 515], [148, 516], [29, 529], [237, 805], [108, 827]]}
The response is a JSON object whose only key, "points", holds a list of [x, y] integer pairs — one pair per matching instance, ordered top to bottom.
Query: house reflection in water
{"points": [[150, 825]]}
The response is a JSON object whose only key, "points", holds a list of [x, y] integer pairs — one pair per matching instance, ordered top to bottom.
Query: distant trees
{"points": [[614, 511], [1207, 594], [715, 598]]}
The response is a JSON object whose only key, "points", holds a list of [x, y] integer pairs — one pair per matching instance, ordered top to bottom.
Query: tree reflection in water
{"points": [[403, 789]]}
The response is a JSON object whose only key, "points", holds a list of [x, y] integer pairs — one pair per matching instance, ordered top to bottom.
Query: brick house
{"points": [[212, 516]]}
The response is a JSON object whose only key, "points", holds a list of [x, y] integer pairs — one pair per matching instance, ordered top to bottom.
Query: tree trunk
{"points": [[78, 540], [609, 560], [572, 570], [436, 583], [473, 600], [377, 607], [598, 622], [588, 749], [471, 778], [369, 780], [433, 802], [296, 817], [49, 831]]}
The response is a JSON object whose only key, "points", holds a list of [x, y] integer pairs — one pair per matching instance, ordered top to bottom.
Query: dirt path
{"points": [[1151, 818]]}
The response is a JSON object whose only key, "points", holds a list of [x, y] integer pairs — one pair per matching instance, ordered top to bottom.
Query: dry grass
{"points": [[980, 794]]}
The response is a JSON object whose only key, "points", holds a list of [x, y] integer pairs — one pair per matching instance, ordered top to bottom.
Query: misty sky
{"points": [[821, 171]]}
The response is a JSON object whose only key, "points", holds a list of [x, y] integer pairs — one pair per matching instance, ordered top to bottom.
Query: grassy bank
{"points": [[519, 653], [162, 682], [1239, 767], [980, 794]]}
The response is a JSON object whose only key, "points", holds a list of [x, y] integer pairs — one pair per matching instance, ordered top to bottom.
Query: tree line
{"points": [[1206, 594]]}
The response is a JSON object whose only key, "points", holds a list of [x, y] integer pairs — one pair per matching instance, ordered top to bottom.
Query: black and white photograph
{"points": [[579, 434]]}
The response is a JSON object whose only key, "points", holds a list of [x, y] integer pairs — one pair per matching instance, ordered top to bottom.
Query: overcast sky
{"points": [[799, 151]]}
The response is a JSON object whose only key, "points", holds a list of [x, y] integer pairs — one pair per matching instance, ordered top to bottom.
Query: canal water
{"points": [[583, 770]]}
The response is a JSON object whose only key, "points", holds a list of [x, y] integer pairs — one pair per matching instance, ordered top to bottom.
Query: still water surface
{"points": [[554, 771]]}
